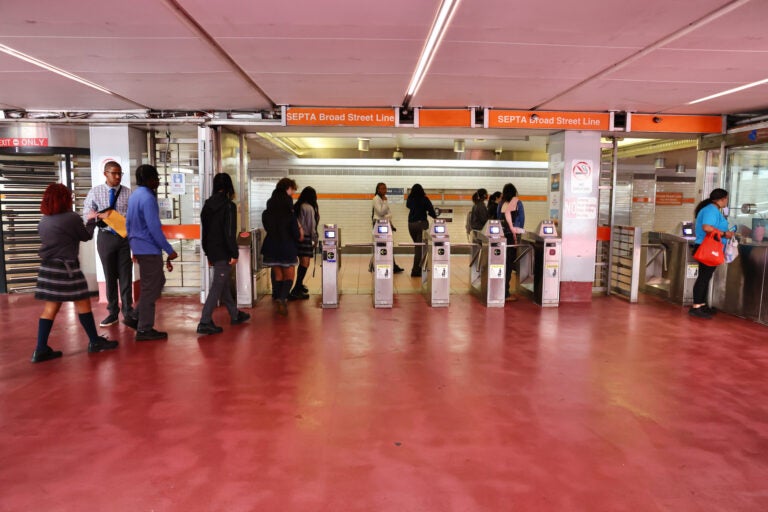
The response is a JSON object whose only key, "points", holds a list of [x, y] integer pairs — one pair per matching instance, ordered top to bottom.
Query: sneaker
{"points": [[398, 269], [304, 289], [708, 310], [699, 313], [242, 317], [110, 320], [131, 322], [210, 328], [150, 335], [100, 344], [46, 354]]}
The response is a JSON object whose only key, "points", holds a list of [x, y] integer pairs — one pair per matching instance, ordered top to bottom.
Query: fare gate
{"points": [[331, 246], [383, 264], [436, 271], [487, 272]]}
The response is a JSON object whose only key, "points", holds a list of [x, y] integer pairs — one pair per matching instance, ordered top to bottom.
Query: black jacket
{"points": [[219, 224]]}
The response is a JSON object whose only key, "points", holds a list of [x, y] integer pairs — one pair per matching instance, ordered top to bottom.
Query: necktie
{"points": [[111, 198]]}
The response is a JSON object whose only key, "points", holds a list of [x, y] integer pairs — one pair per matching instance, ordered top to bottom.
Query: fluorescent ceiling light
{"points": [[436, 33], [49, 67], [729, 91], [280, 143]]}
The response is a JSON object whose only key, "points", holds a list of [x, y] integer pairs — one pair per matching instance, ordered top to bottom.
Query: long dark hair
{"points": [[144, 173], [222, 182], [417, 191], [376, 192], [508, 192], [480, 195], [715, 195], [309, 196], [280, 202]]}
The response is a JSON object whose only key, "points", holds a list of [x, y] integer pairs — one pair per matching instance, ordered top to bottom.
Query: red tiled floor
{"points": [[590, 407]]}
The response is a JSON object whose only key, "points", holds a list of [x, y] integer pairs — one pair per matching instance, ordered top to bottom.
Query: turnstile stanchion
{"points": [[331, 245], [382, 264], [546, 264], [436, 271], [487, 273], [245, 289]]}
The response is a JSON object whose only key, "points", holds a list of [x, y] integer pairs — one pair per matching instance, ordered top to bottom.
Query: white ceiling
{"points": [[556, 54]]}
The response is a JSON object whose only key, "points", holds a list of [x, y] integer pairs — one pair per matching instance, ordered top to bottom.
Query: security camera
{"points": [[397, 155]]}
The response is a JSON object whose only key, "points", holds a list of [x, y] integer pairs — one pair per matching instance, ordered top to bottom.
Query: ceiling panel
{"points": [[97, 18], [299, 19], [629, 23], [741, 29], [122, 55], [727, 67], [333, 90], [184, 91], [490, 91]]}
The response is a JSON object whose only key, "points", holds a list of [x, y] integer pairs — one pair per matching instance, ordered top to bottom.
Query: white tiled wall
{"points": [[354, 215], [668, 218]]}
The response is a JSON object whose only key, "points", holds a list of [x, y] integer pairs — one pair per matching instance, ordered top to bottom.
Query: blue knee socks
{"points": [[88, 323], [44, 327]]}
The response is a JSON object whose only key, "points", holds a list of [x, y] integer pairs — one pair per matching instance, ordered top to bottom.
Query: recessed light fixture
{"points": [[439, 26], [66, 74], [729, 91], [458, 146], [659, 163]]}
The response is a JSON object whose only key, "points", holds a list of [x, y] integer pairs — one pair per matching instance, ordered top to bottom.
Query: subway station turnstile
{"points": [[331, 246], [544, 262], [383, 265], [669, 268], [436, 271], [487, 272]]}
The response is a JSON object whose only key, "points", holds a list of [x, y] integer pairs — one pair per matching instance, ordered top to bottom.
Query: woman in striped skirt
{"points": [[59, 278]]}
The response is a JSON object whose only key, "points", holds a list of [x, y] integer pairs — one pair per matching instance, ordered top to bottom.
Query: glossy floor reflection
{"points": [[589, 407]]}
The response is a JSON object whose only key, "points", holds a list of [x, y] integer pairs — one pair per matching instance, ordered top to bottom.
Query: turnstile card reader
{"points": [[547, 248], [383, 264], [331, 265], [436, 274], [488, 276]]}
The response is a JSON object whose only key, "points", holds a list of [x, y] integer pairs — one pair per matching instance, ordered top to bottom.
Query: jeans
{"points": [[221, 290]]}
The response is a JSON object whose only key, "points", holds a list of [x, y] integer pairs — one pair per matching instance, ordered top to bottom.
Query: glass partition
{"points": [[747, 182]]}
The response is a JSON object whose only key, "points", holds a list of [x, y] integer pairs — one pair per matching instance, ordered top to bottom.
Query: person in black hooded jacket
{"points": [[219, 225]]}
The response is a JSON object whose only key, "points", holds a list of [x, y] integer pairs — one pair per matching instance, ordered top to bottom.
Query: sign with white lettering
{"points": [[306, 116], [549, 120], [23, 142], [178, 183], [580, 208]]}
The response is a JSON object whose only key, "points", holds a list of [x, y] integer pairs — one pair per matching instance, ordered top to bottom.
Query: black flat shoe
{"points": [[242, 317], [131, 322], [210, 328], [150, 335], [101, 344], [46, 354]]}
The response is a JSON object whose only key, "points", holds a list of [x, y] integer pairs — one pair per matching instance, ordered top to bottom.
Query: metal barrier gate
{"points": [[331, 245], [383, 264], [436, 270], [487, 272]]}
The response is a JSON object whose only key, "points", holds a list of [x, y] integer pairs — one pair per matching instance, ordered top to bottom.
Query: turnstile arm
{"points": [[663, 253]]}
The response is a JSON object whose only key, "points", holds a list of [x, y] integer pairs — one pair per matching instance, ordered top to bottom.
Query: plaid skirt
{"points": [[304, 248], [61, 281]]}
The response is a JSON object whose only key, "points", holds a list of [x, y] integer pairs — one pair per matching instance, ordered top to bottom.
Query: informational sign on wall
{"points": [[23, 142], [581, 176], [178, 183], [580, 208]]}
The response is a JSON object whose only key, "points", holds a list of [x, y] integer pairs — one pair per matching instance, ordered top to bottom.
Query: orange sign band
{"points": [[310, 116], [436, 118], [549, 120], [675, 124]]}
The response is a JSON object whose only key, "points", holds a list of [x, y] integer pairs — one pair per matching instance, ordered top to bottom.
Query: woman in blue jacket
{"points": [[709, 217]]}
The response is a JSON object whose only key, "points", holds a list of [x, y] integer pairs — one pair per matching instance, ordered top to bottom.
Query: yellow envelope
{"points": [[116, 221]]}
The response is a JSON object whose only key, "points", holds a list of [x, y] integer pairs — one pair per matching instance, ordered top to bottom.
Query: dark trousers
{"points": [[416, 230], [115, 254], [509, 264], [152, 281], [701, 286], [221, 290]]}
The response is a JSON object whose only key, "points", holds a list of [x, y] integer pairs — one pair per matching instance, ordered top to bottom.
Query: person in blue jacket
{"points": [[709, 217], [145, 235]]}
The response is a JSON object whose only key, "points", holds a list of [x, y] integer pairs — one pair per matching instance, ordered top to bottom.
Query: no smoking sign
{"points": [[581, 176]]}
